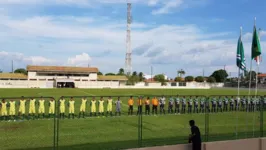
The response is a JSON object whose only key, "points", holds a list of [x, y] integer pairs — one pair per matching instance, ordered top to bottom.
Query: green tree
{"points": [[21, 70], [1, 71], [121, 72], [99, 73], [134, 73], [110, 74], [220, 75], [141, 76], [253, 76], [159, 78], [189, 78], [178, 79], [199, 79], [211, 80]]}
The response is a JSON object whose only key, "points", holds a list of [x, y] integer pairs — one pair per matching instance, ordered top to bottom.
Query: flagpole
{"points": [[238, 87]]}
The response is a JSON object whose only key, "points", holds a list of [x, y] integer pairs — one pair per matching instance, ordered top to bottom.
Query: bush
{"points": [[178, 79], [189, 79], [199, 79], [211, 80]]}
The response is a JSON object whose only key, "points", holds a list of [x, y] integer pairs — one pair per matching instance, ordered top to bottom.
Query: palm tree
{"points": [[121, 71], [181, 72]]}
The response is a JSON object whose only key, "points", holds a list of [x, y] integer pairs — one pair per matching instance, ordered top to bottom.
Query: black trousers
{"points": [[177, 108], [202, 108], [147, 109], [154, 109], [162, 109], [170, 109], [183, 109], [130, 110], [139, 110], [196, 110], [196, 146]]}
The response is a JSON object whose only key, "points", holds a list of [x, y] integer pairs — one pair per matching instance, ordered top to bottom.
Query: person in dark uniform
{"points": [[190, 102], [177, 103], [231, 104], [184, 105], [225, 108], [194, 137]]}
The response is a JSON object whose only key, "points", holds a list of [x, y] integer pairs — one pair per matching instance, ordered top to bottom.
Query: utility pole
{"points": [[12, 69]]}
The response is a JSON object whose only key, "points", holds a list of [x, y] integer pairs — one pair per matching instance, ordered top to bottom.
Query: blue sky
{"points": [[167, 34]]}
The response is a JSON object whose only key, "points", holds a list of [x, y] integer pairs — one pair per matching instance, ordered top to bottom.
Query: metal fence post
{"points": [[261, 116], [57, 118], [55, 127]]}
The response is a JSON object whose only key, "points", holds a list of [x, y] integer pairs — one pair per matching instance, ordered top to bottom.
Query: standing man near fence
{"points": [[202, 101], [140, 102], [190, 102], [220, 103], [118, 104], [162, 104], [225, 104], [231, 104], [3, 105], [71, 105], [130, 105], [154, 105], [170, 105], [177, 105], [184, 105], [196, 105], [101, 106], [109, 106], [147, 106], [22, 107], [51, 107], [83, 107], [93, 107], [32, 108], [41, 108], [62, 108], [12, 109], [195, 137]]}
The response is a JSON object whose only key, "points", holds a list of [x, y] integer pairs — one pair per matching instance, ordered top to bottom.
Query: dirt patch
{"points": [[11, 128]]}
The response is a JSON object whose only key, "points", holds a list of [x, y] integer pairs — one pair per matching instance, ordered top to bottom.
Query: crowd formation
{"points": [[154, 105]]}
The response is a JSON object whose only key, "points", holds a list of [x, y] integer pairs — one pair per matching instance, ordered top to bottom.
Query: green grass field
{"points": [[122, 132]]}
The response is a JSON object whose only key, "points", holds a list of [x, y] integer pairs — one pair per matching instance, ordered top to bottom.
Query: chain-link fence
{"points": [[27, 122], [121, 122]]}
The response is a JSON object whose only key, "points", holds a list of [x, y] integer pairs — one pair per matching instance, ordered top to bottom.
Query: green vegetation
{"points": [[122, 132]]}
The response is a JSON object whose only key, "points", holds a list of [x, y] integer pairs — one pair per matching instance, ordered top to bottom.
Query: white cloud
{"points": [[167, 6], [178, 46], [79, 60]]}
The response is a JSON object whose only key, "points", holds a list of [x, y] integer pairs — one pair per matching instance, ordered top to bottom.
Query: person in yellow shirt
{"points": [[140, 103], [155, 103], [101, 106], [110, 106], [130, 106], [147, 106], [22, 107], [51, 107], [62, 107], [83, 107], [93, 107], [41, 108], [71, 108], [4, 109], [12, 109], [32, 110]]}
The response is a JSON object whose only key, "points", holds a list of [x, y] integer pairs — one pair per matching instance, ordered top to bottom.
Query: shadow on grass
{"points": [[117, 145]]}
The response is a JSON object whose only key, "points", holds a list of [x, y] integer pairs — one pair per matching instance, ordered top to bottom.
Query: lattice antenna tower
{"points": [[128, 65]]}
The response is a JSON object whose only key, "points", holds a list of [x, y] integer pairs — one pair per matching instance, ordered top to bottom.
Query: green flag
{"points": [[255, 47], [240, 56]]}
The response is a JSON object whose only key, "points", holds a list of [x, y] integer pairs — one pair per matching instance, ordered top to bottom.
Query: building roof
{"points": [[62, 69], [262, 75], [13, 76], [111, 78]]}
